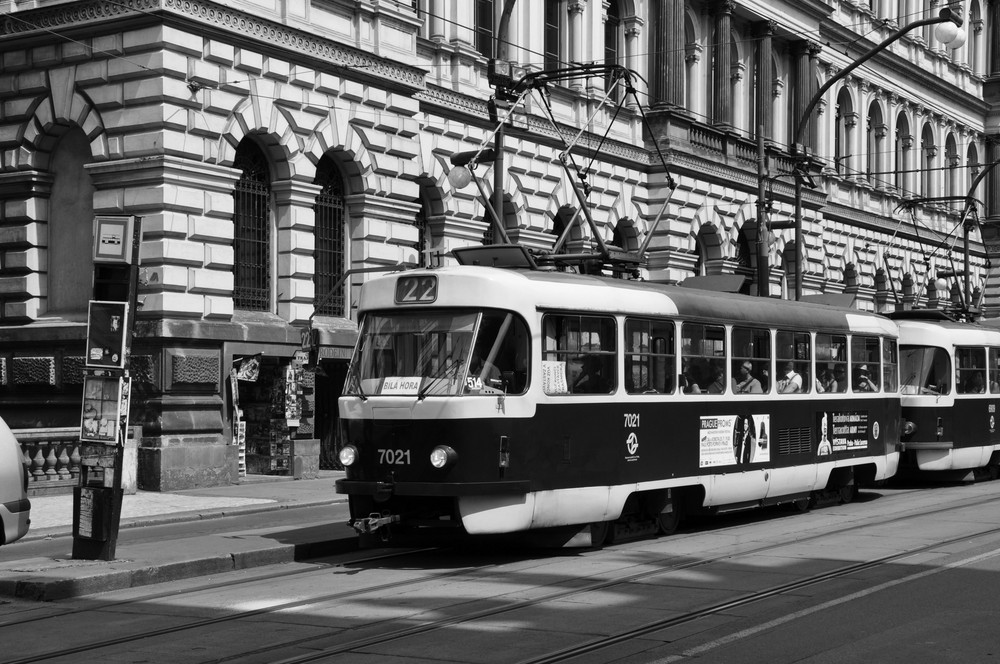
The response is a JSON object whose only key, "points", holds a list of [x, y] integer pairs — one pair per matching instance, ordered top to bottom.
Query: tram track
{"points": [[473, 573]]}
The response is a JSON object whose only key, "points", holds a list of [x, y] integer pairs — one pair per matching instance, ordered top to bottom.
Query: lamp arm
{"points": [[944, 17]]}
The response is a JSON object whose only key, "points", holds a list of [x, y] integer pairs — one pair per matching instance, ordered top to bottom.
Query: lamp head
{"points": [[460, 177]]}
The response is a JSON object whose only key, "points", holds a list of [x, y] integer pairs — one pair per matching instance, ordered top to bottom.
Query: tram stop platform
{"points": [[50, 577]]}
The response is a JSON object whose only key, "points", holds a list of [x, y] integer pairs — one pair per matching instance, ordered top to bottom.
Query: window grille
{"points": [[252, 241], [329, 253]]}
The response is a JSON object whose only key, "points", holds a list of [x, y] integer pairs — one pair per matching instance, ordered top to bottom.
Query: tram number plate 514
{"points": [[394, 457]]}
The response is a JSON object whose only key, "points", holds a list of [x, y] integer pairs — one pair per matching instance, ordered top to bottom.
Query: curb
{"points": [[181, 517], [79, 578]]}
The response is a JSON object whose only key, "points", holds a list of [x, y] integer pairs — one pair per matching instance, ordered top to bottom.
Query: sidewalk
{"points": [[46, 578]]}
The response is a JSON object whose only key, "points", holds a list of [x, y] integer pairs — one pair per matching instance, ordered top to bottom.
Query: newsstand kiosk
{"points": [[97, 499]]}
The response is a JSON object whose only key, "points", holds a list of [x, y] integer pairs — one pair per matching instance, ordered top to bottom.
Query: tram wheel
{"points": [[848, 492], [669, 518], [600, 533]]}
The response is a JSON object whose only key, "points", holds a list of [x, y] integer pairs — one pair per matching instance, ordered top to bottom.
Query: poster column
{"points": [[97, 500]]}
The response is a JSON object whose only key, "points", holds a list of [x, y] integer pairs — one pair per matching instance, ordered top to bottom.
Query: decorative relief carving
{"points": [[195, 369], [34, 370], [72, 370]]}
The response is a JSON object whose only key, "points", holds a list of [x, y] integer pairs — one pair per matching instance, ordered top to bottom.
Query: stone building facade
{"points": [[279, 152]]}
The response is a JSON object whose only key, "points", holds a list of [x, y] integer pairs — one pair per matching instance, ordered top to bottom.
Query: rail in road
{"points": [[670, 599]]}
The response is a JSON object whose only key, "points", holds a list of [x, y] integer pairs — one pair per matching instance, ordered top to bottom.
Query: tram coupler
{"points": [[373, 522]]}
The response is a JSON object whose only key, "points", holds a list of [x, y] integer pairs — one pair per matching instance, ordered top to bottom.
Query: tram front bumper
{"points": [[372, 488]]}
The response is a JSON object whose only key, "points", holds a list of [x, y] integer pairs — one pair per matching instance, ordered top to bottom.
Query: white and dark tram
{"points": [[950, 374], [497, 400]]}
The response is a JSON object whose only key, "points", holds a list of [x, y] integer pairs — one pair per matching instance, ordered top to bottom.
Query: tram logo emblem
{"points": [[632, 446]]}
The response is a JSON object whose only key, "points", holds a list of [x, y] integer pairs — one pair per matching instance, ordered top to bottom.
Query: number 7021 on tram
{"points": [[487, 400]]}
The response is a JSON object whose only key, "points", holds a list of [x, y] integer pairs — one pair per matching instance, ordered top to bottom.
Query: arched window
{"points": [[484, 27], [554, 33], [975, 37], [613, 44], [844, 121], [904, 142], [876, 144], [928, 153], [972, 161], [952, 179], [71, 214], [252, 233], [330, 249]]}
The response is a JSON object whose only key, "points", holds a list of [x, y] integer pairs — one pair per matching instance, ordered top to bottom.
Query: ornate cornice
{"points": [[270, 34], [537, 127]]}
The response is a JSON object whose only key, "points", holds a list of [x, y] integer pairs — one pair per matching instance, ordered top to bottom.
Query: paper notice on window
{"points": [[554, 377]]}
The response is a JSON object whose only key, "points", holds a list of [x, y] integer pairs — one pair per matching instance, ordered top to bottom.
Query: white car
{"points": [[15, 508]]}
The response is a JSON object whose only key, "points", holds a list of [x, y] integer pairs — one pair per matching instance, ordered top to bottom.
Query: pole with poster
{"points": [[97, 500]]}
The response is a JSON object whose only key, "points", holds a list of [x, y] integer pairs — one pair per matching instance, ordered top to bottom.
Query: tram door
{"points": [[329, 386]]}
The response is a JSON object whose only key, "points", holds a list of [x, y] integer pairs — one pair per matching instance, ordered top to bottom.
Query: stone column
{"points": [[804, 54], [668, 61], [765, 78], [722, 111]]}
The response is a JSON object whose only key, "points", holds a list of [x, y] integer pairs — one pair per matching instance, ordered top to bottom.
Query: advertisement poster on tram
{"points": [[842, 431], [727, 440]]}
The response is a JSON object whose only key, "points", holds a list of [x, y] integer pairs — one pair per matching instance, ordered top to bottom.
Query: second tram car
{"points": [[950, 372], [493, 400]]}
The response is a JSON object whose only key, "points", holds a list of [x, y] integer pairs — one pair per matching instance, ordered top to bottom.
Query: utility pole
{"points": [[501, 77], [763, 276]]}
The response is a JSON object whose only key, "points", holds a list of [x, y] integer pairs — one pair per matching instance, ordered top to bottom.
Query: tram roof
{"points": [[523, 289], [924, 326]]}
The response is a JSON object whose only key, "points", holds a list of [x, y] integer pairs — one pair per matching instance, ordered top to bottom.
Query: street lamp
{"points": [[949, 31]]}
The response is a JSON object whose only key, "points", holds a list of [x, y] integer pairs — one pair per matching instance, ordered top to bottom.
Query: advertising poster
{"points": [[106, 325], [105, 409], [842, 431], [728, 440], [716, 446]]}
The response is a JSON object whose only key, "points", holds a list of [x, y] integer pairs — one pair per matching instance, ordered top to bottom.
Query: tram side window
{"points": [[794, 355], [578, 356], [649, 356], [703, 359], [831, 363], [751, 364], [866, 364], [890, 365], [925, 370], [995, 370], [970, 372]]}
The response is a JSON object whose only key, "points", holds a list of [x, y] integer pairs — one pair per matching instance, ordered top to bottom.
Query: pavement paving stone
{"points": [[45, 578]]}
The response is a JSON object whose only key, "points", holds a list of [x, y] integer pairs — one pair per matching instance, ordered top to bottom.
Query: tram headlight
{"points": [[348, 455], [443, 456]]}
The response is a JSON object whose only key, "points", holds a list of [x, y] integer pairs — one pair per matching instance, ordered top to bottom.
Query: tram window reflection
{"points": [[703, 349], [751, 349], [579, 354], [649, 356], [793, 357], [831, 363], [866, 363], [970, 370], [994, 371]]}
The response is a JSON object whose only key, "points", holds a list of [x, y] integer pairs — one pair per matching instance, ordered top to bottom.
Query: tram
{"points": [[950, 373], [492, 397]]}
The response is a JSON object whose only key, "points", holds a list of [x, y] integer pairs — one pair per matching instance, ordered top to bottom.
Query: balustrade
{"points": [[53, 458]]}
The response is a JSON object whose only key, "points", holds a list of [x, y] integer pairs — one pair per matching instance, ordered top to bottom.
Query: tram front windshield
{"points": [[439, 353], [925, 370]]}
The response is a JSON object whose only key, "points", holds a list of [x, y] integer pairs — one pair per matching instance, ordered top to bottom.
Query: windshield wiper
{"points": [[438, 375]]}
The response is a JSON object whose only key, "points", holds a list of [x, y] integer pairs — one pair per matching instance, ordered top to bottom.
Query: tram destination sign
{"points": [[416, 289]]}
